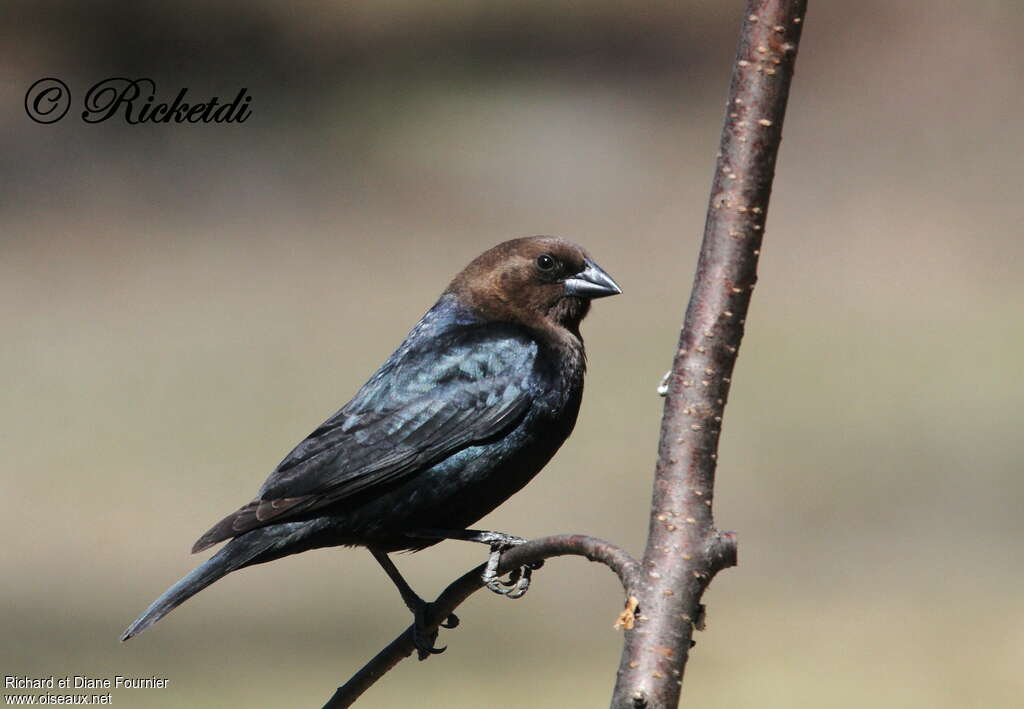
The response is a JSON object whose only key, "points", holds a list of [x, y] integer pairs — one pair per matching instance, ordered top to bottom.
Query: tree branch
{"points": [[684, 549], [625, 567]]}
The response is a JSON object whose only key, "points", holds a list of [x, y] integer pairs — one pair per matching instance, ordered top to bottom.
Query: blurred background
{"points": [[180, 304]]}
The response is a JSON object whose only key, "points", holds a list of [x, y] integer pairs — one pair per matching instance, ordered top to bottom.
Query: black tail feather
{"points": [[236, 554]]}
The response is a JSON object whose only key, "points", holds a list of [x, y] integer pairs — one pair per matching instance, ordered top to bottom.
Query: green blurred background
{"points": [[181, 304]]}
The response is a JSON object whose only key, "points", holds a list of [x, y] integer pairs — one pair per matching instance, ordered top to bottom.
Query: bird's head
{"points": [[542, 282]]}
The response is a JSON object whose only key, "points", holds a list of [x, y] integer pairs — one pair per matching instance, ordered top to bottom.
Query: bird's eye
{"points": [[545, 262]]}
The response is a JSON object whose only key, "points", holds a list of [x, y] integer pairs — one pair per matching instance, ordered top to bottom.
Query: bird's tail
{"points": [[237, 553]]}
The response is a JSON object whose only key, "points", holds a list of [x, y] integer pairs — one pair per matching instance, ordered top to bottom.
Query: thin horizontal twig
{"points": [[617, 559]]}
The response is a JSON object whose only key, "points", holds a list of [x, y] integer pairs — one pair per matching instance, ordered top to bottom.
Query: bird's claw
{"points": [[518, 582], [517, 585], [423, 640], [425, 645]]}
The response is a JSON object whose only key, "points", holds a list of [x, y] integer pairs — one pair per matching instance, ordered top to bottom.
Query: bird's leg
{"points": [[518, 581], [424, 641]]}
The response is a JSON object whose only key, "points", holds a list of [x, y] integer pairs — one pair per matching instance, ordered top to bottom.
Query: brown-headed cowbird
{"points": [[476, 400]]}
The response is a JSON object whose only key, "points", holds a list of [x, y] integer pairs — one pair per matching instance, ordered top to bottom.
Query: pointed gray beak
{"points": [[591, 282]]}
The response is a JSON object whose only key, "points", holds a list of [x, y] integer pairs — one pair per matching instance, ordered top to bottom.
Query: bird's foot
{"points": [[518, 582], [424, 640]]}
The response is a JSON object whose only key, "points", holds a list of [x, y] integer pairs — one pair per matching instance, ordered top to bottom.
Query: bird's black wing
{"points": [[431, 399]]}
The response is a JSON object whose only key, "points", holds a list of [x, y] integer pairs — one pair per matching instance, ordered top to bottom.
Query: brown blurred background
{"points": [[181, 304]]}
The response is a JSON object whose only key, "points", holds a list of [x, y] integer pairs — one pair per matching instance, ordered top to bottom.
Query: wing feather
{"points": [[482, 388]]}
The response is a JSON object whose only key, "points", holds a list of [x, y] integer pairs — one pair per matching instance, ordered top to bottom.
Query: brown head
{"points": [[541, 282]]}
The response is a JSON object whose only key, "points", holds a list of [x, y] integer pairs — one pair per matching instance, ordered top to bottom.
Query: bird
{"points": [[474, 402]]}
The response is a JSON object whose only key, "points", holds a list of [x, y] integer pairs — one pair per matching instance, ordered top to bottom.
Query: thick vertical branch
{"points": [[684, 549]]}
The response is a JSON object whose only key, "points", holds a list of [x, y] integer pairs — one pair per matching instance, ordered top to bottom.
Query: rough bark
{"points": [[684, 548]]}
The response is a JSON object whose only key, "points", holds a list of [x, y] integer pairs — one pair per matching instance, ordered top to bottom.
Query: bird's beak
{"points": [[591, 282]]}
